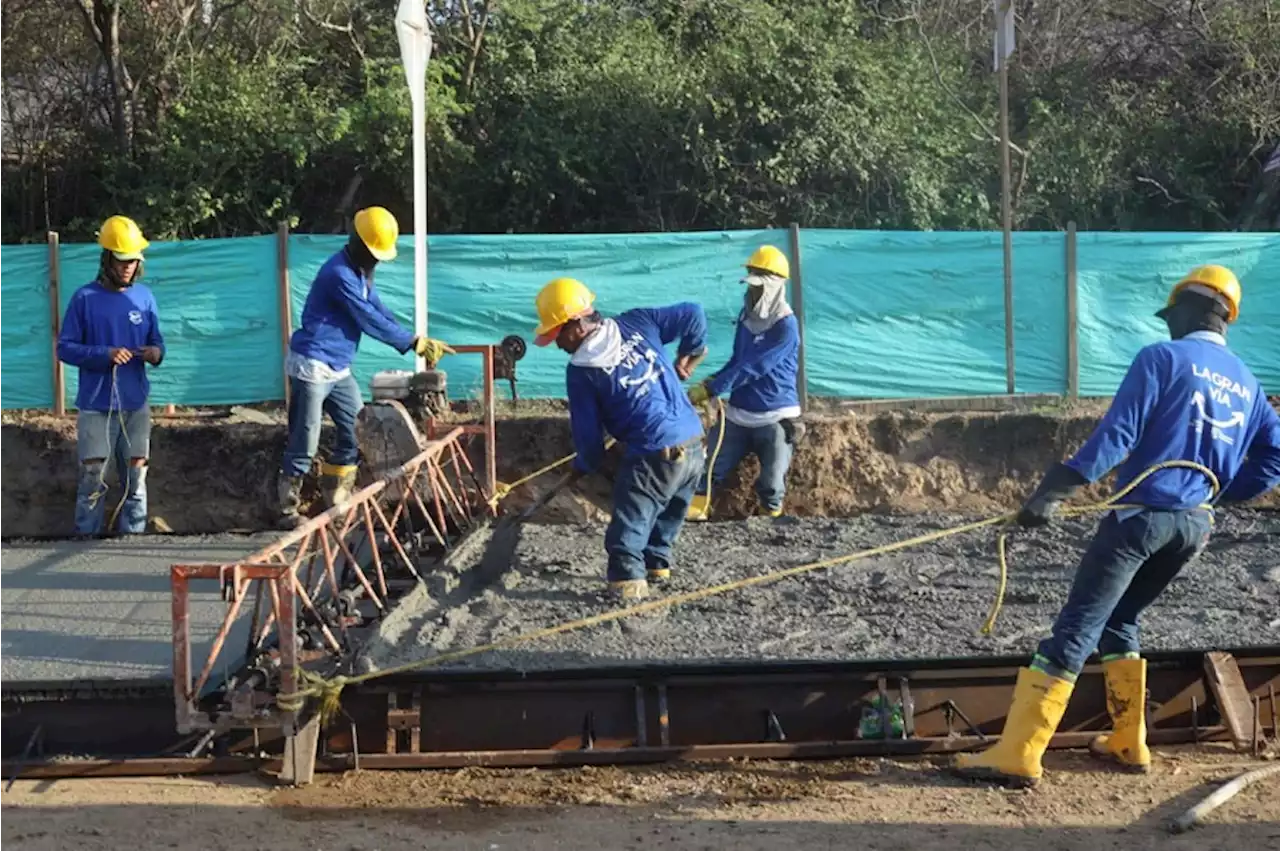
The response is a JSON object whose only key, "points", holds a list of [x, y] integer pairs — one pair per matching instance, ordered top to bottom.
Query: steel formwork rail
{"points": [[303, 574], [656, 714]]}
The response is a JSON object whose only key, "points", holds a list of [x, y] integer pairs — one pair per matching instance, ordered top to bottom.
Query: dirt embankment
{"points": [[217, 475]]}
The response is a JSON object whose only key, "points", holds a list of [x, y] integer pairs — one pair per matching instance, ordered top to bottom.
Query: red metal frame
{"points": [[299, 573]]}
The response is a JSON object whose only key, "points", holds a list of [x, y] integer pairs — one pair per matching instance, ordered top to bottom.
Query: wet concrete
{"points": [[928, 601], [100, 610]]}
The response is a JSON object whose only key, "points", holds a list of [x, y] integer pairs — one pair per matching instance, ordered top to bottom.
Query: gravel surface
{"points": [[928, 601]]}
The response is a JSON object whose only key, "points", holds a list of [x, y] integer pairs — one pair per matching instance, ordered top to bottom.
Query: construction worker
{"points": [[341, 306], [111, 330], [620, 379], [1188, 400], [763, 414]]}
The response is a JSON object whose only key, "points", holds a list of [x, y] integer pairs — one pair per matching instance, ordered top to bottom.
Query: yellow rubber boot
{"points": [[337, 482], [699, 508], [1039, 700], [1126, 703]]}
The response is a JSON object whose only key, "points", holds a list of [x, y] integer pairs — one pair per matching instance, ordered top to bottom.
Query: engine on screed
{"points": [[390, 429]]}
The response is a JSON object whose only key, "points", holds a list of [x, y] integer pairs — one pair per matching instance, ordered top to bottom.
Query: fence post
{"points": [[797, 299], [286, 303], [55, 323], [1073, 328]]}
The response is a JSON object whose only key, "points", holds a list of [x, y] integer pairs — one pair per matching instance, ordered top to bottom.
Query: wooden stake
{"points": [[1006, 220], [286, 303], [797, 304], [55, 323], [1073, 327]]}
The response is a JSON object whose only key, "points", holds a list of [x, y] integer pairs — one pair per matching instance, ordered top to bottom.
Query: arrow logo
{"points": [[650, 373], [1237, 417]]}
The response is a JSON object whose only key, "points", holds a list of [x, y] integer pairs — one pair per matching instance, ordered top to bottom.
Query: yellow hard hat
{"points": [[378, 230], [122, 237], [769, 259], [1212, 280], [558, 302]]}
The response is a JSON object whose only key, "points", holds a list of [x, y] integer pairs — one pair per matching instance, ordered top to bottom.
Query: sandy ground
{"points": [[927, 601], [864, 804]]}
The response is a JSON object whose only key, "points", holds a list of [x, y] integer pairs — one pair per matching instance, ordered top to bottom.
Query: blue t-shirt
{"points": [[341, 305], [98, 320], [761, 375], [637, 398], [1190, 399]]}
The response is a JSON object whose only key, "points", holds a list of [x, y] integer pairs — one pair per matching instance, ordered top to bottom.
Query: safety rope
{"points": [[114, 406], [329, 691]]}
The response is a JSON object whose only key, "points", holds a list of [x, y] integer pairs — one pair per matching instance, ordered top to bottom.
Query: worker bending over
{"points": [[341, 306], [111, 330], [621, 380], [1190, 399], [763, 414]]}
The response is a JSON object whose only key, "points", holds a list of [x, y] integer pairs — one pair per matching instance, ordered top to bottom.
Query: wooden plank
{"points": [[286, 303], [797, 304], [55, 324], [1073, 326], [1232, 696]]}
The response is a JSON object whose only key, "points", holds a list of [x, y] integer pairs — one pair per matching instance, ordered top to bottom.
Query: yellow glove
{"points": [[431, 350], [699, 394]]}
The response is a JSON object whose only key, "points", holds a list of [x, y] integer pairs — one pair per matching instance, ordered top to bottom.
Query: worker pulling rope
{"points": [[329, 691]]}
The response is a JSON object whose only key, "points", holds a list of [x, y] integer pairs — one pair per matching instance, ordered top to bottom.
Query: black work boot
{"points": [[289, 500]]}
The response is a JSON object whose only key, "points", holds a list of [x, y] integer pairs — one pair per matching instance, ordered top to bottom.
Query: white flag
{"points": [[1003, 47]]}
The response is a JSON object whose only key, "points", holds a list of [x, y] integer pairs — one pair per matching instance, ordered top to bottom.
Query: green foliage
{"points": [[624, 115]]}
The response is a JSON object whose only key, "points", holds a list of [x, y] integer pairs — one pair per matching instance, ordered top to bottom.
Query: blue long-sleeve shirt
{"points": [[341, 306], [98, 320], [761, 374], [623, 381], [1189, 399]]}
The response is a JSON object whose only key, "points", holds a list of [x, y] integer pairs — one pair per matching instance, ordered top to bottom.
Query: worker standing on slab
{"points": [[342, 305], [111, 330], [621, 380], [1187, 400], [763, 414]]}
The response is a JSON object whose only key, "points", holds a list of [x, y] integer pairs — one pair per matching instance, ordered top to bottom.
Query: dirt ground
{"points": [[213, 471], [871, 804]]}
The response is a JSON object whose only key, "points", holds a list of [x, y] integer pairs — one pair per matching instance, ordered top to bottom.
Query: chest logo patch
{"points": [[135, 316]]}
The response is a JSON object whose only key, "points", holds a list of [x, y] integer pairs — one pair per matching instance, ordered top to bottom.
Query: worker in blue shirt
{"points": [[341, 306], [111, 330], [620, 379], [1186, 400], [763, 413]]}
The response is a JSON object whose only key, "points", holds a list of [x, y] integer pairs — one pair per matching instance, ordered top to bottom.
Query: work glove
{"points": [[431, 350], [699, 394], [1059, 484]]}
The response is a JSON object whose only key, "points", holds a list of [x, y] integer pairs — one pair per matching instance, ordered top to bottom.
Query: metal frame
{"points": [[417, 510]]}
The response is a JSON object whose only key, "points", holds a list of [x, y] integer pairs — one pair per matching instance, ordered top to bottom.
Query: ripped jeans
{"points": [[101, 438]]}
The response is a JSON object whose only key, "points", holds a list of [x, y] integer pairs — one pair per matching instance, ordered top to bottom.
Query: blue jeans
{"points": [[308, 401], [101, 438], [769, 443], [650, 498], [1126, 567]]}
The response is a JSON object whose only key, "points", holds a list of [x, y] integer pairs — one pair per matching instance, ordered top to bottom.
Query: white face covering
{"points": [[771, 305]]}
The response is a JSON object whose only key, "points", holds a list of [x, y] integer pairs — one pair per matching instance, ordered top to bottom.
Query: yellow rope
{"points": [[503, 489], [1110, 503], [329, 691]]}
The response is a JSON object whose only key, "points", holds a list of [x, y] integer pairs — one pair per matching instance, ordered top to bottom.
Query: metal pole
{"points": [[1006, 216], [286, 303]]}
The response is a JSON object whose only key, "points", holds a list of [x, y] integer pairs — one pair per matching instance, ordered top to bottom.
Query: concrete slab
{"points": [[100, 610]]}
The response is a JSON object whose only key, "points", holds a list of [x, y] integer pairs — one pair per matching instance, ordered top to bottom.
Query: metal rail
{"points": [[643, 714]]}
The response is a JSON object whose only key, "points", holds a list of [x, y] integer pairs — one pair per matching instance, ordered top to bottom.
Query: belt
{"points": [[675, 453]]}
